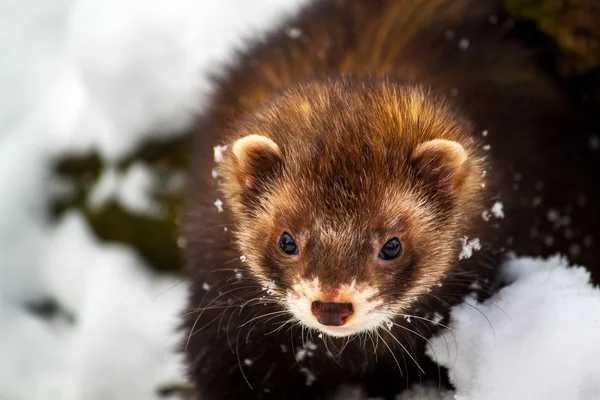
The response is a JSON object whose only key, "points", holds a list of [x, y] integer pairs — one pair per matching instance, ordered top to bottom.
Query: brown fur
{"points": [[351, 99], [336, 192]]}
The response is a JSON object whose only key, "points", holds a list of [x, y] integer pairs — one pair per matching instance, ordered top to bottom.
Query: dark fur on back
{"points": [[314, 85]]}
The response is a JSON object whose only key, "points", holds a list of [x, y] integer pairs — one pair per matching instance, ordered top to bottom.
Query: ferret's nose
{"points": [[332, 314]]}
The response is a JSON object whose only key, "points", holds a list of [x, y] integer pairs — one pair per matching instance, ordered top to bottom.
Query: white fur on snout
{"points": [[365, 318]]}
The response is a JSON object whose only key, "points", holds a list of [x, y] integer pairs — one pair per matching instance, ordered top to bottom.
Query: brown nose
{"points": [[332, 314]]}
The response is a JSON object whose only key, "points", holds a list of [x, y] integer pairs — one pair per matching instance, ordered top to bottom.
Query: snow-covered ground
{"points": [[77, 74], [538, 338]]}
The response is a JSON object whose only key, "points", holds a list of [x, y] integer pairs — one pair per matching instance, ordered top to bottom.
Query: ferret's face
{"points": [[347, 205]]}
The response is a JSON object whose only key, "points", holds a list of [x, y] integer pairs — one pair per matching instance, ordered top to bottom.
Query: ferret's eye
{"points": [[287, 244], [391, 250]]}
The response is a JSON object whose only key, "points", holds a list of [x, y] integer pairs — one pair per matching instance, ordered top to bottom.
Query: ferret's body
{"points": [[343, 116]]}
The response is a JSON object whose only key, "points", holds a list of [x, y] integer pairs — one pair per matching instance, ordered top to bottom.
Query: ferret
{"points": [[359, 170]]}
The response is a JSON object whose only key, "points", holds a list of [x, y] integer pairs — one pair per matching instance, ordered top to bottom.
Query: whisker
{"points": [[196, 310], [478, 310], [262, 316], [268, 320], [437, 324], [192, 329], [278, 329], [193, 332], [326, 338], [345, 344], [374, 345], [237, 351], [392, 353], [412, 354]]}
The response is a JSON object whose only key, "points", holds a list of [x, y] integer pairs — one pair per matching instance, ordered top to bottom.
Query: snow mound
{"points": [[114, 334], [538, 338]]}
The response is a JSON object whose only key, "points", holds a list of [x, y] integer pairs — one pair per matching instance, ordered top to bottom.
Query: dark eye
{"points": [[287, 244], [391, 250]]}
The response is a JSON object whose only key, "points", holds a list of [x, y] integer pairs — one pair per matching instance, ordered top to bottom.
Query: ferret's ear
{"points": [[258, 159], [441, 163]]}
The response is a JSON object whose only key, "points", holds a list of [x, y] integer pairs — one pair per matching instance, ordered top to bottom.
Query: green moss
{"points": [[572, 24], [154, 237], [175, 389]]}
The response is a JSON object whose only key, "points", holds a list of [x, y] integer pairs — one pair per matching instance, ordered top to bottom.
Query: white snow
{"points": [[294, 33], [464, 43], [218, 152], [105, 189], [131, 189], [135, 193], [219, 204], [498, 209], [486, 215], [553, 215], [468, 247], [270, 288], [122, 315], [437, 317], [538, 338], [301, 354], [310, 376]]}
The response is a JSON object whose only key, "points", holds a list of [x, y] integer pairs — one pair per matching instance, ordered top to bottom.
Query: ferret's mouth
{"points": [[350, 313], [354, 325], [339, 331], [343, 331]]}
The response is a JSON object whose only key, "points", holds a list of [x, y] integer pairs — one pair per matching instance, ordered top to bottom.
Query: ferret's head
{"points": [[350, 198]]}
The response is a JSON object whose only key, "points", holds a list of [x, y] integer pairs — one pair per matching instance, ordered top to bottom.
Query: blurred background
{"points": [[94, 95], [94, 98]]}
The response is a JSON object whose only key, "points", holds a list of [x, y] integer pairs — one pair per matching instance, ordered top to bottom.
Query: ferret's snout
{"points": [[332, 314]]}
